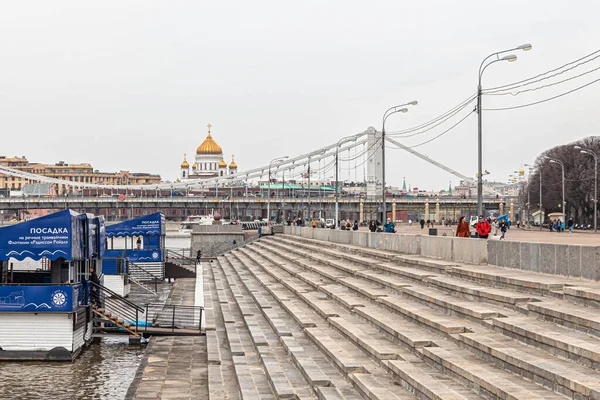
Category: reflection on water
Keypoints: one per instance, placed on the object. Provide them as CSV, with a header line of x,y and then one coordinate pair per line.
x,y
102,371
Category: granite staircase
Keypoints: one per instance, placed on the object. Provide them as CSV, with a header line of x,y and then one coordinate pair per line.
x,y
290,317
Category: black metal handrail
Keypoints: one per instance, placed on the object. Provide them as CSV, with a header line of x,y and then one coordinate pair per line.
x,y
112,294
173,317
103,297
146,276
173,254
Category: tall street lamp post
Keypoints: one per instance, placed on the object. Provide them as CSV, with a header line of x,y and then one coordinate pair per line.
x,y
593,154
542,218
562,166
278,160
388,112
482,67
337,170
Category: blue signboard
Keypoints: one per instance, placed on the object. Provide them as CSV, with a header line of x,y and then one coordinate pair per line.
x,y
148,225
49,298
53,236
109,262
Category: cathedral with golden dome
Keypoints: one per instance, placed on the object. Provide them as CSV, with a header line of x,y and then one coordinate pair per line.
x,y
209,162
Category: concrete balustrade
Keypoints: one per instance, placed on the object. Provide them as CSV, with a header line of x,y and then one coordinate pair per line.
x,y
577,261
445,248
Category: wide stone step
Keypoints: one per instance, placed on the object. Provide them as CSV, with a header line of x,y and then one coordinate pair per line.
x,y
379,388
396,326
485,378
409,273
426,384
385,279
342,353
346,297
335,393
570,315
451,304
563,376
577,346
425,315
364,287
321,304
312,256
329,251
372,342
474,291
518,280
375,254
588,296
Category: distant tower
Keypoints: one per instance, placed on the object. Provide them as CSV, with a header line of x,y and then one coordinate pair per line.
x,y
232,166
222,167
185,168
404,185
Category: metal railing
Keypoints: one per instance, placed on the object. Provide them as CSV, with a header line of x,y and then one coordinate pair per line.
x,y
115,304
140,276
179,258
169,317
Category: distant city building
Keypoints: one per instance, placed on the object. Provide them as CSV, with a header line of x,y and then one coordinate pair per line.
x,y
469,189
83,173
209,162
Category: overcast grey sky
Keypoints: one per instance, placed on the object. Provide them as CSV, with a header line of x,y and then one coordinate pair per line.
x,y
133,84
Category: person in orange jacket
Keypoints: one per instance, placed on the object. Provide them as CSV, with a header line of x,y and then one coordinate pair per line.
x,y
483,228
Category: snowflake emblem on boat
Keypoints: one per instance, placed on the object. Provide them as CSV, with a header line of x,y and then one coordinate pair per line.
x,y
59,298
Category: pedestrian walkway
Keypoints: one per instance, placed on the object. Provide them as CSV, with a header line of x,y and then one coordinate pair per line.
x,y
174,367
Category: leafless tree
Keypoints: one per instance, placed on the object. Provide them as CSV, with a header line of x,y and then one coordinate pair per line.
x,y
579,181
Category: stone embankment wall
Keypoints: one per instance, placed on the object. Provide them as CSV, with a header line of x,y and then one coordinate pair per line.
x,y
215,240
569,260
560,259
446,248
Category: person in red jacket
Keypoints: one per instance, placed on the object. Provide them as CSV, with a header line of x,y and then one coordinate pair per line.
x,y
483,228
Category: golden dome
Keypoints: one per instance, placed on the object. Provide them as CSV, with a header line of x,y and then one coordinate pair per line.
x,y
195,165
222,164
521,171
185,164
232,165
209,146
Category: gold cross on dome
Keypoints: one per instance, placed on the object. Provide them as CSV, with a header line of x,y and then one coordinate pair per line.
x,y
184,156
209,126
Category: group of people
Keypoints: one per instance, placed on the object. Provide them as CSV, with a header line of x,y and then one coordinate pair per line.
x,y
377,226
559,226
483,227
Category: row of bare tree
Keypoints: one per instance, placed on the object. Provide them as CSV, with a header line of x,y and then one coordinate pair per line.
x,y
579,181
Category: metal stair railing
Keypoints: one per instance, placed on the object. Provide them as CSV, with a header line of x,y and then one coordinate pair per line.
x,y
138,275
180,259
170,317
116,308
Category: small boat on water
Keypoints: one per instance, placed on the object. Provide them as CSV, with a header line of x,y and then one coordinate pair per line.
x,y
187,226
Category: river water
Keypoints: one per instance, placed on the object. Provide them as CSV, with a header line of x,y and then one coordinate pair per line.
x,y
102,371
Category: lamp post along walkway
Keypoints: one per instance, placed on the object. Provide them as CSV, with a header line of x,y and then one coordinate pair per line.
x,y
593,154
388,112
482,67
275,160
